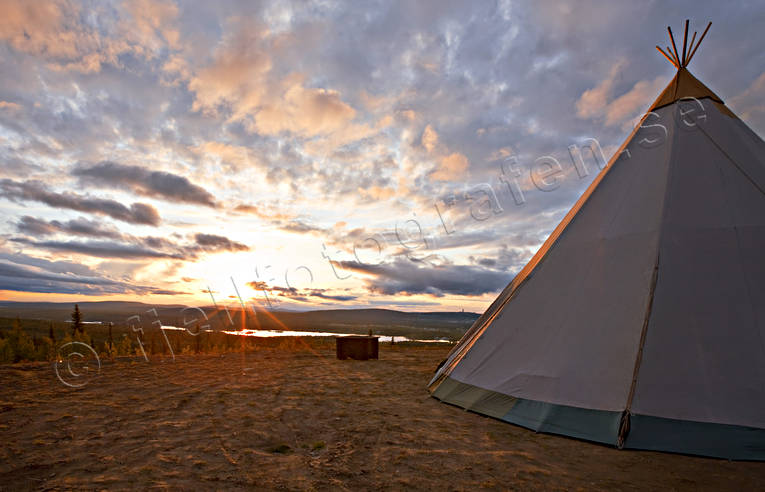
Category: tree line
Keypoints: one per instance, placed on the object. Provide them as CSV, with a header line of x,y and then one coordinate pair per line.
x,y
39,340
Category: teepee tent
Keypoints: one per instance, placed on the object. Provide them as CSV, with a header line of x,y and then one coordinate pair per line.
x,y
640,322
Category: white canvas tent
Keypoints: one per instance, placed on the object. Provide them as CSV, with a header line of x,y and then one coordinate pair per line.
x,y
640,322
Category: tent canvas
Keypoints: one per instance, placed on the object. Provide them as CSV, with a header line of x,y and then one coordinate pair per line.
x,y
640,322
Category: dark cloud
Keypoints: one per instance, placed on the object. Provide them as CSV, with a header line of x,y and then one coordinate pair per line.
x,y
167,292
103,249
301,227
154,184
294,294
246,208
122,245
60,266
35,227
269,212
21,278
141,247
211,242
11,270
137,213
342,298
78,227
260,285
404,276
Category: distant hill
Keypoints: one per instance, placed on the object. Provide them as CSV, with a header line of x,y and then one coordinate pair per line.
x,y
381,321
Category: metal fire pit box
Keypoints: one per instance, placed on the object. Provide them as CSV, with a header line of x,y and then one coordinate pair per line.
x,y
357,347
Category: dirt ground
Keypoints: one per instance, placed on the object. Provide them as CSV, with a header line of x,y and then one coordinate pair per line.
x,y
296,418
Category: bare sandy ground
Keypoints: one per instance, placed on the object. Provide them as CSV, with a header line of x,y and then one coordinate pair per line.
x,y
296,418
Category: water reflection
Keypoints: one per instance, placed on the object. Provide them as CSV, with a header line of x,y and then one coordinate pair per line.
x,y
289,333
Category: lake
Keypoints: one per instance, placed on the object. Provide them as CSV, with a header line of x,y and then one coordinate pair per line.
x,y
289,333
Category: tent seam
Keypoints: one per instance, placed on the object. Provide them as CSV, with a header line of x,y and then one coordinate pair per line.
x,y
624,426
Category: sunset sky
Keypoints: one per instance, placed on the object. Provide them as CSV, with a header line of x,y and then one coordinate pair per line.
x,y
320,154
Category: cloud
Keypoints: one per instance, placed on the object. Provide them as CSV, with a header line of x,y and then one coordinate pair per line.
x,y
638,98
377,193
137,213
232,157
17,167
211,242
59,266
78,227
35,227
593,102
11,270
452,167
103,249
38,27
407,277
429,138
598,103
750,104
235,81
27,278
241,83
121,245
268,212
247,209
155,184
301,227
305,295
321,295
9,106
304,111
152,22
72,38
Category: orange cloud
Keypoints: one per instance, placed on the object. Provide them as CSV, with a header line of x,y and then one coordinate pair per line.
x,y
38,27
452,166
240,84
630,103
377,192
9,106
53,31
593,101
305,112
598,103
429,138
151,23
236,78
233,157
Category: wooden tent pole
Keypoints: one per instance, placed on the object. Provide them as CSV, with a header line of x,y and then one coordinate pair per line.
x,y
667,56
672,38
690,46
699,43
677,63
685,39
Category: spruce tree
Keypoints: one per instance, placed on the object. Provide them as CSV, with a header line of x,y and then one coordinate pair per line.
x,y
76,320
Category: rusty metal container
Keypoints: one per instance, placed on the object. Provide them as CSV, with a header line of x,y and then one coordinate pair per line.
x,y
357,347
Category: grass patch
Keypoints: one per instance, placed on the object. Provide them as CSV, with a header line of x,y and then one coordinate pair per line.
x,y
280,449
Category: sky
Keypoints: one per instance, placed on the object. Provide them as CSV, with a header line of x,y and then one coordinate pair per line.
x,y
316,155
